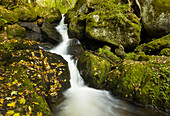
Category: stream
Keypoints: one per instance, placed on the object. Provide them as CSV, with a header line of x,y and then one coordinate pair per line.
x,y
81,100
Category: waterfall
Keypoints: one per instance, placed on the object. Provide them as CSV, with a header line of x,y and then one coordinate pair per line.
x,y
81,100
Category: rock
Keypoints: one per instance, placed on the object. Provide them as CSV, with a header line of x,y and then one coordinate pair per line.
x,y
47,46
104,21
50,34
106,50
94,69
120,51
16,30
146,82
37,77
8,16
33,31
113,28
51,15
165,51
75,48
26,13
155,17
155,46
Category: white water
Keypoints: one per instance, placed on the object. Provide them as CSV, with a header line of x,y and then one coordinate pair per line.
x,y
82,100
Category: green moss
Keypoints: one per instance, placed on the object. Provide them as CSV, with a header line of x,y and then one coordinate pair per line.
x,y
155,46
165,52
145,82
26,13
16,30
107,51
21,92
94,68
8,16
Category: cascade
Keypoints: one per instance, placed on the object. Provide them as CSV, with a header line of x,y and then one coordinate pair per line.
x,y
82,100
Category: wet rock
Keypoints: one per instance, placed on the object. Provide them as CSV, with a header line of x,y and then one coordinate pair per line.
x,y
94,69
155,17
50,34
47,46
32,30
75,48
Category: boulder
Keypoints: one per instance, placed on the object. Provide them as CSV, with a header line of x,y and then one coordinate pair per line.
x,y
155,17
114,28
8,16
26,13
75,48
146,82
50,34
94,69
15,30
104,21
32,79
155,46
33,31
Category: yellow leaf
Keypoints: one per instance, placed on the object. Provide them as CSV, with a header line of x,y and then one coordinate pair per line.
x,y
1,78
39,114
35,103
22,101
2,101
16,114
10,112
12,104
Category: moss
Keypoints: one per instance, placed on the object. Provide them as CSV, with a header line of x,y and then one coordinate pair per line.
x,y
8,16
26,13
113,26
145,82
16,30
21,92
165,52
107,51
155,46
94,69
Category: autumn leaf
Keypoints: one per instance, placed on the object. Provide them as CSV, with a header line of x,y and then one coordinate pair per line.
x,y
35,103
16,114
22,101
12,104
10,112
39,114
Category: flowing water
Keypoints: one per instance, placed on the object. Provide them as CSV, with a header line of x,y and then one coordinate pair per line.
x,y
84,101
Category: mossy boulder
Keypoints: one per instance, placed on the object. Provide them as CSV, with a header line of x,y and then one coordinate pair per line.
x,y
104,21
155,46
31,78
26,13
155,17
16,30
93,68
146,82
113,27
8,16
51,15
